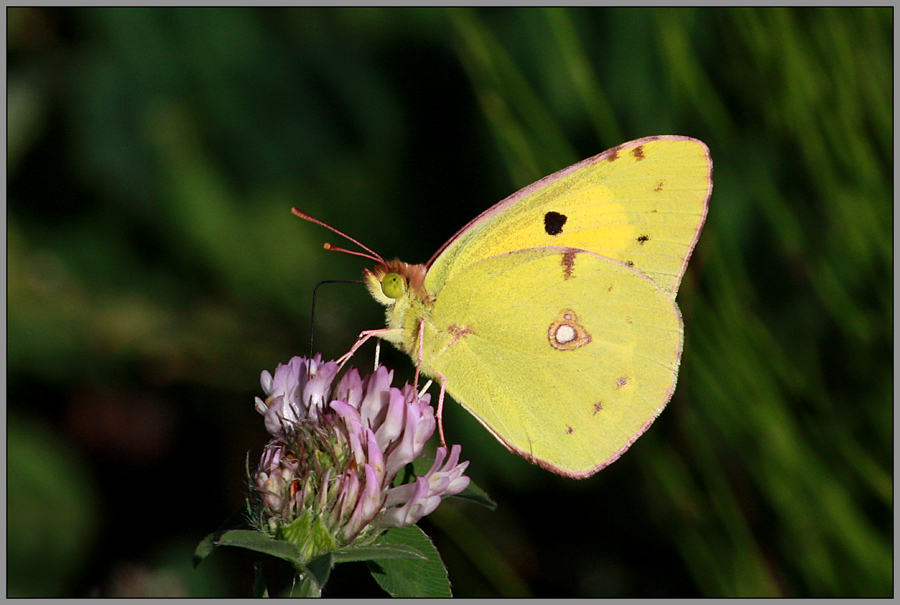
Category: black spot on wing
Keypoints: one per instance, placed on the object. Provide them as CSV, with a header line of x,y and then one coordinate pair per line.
x,y
553,222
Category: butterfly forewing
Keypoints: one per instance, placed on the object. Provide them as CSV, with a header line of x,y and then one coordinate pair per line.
x,y
642,203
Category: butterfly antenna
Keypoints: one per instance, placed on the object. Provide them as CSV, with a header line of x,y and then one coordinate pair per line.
x,y
372,255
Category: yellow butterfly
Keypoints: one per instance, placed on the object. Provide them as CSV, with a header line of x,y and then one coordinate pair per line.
x,y
551,317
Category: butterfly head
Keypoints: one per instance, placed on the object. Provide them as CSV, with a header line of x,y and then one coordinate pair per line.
x,y
391,281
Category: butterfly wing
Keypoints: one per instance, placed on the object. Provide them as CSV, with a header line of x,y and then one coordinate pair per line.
x,y
642,203
564,355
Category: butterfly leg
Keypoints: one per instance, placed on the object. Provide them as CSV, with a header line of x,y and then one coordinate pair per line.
x,y
363,337
421,347
440,410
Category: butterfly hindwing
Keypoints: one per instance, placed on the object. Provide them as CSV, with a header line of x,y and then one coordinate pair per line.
x,y
564,355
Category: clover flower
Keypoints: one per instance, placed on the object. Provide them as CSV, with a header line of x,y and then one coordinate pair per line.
x,y
325,480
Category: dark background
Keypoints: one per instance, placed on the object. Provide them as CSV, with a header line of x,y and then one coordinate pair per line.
x,y
154,270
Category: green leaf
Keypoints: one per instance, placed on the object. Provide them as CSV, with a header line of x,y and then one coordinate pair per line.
x,y
306,588
378,551
259,582
237,520
319,569
254,540
475,494
204,549
411,577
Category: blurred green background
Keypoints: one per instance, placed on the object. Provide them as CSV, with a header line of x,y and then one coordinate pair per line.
x,y
154,270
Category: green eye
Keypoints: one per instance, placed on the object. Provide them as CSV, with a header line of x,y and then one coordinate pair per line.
x,y
392,285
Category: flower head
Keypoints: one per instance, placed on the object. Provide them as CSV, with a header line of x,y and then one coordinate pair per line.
x,y
325,479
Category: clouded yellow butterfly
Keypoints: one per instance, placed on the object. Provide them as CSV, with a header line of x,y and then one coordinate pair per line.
x,y
551,316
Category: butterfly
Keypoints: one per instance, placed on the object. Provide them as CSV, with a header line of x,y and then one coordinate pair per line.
x,y
551,316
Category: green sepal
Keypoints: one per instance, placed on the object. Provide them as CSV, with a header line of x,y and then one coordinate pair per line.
x,y
298,531
310,535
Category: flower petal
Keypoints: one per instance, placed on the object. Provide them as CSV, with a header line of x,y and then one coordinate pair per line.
x,y
411,511
374,406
